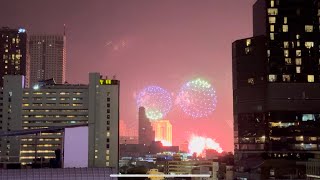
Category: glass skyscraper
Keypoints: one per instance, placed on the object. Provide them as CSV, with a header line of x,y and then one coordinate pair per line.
x,y
276,85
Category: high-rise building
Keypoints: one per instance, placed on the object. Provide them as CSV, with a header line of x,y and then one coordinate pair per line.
x,y
163,132
276,78
49,105
146,133
47,58
14,58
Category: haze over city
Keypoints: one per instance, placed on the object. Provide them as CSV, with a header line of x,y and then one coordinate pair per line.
x,y
143,43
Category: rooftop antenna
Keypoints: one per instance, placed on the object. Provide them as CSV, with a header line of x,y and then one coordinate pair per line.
x,y
64,29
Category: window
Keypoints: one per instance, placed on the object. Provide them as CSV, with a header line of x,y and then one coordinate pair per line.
x,y
286,44
248,42
288,61
298,61
285,28
285,20
272,11
272,78
271,28
298,53
268,52
271,36
298,36
308,28
309,44
310,78
272,3
298,69
251,81
286,53
272,20
247,50
286,78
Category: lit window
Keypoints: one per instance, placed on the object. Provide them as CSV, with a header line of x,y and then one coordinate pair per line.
x,y
298,43
285,20
298,36
272,20
108,134
285,28
272,11
298,69
309,44
298,61
272,3
25,105
286,44
268,52
310,78
271,28
271,36
318,12
298,53
6,67
248,42
299,138
286,78
272,77
308,28
288,61
251,81
286,53
247,50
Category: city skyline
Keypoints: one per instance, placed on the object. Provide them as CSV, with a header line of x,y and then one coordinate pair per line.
x,y
195,42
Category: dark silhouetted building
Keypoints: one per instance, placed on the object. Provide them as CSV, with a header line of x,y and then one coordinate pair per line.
x,y
276,85
146,133
14,58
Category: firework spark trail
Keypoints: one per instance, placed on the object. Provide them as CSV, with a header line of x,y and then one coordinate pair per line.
x,y
198,145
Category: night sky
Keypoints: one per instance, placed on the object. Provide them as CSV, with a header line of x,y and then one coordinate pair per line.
x,y
147,42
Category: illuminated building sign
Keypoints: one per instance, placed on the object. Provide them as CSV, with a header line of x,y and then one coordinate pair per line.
x,y
109,82
21,30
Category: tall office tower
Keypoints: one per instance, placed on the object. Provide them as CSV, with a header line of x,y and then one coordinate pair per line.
x,y
163,132
14,58
276,84
50,105
146,133
103,121
47,58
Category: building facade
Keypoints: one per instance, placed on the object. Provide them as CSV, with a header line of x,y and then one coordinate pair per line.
x,y
163,131
14,57
47,58
146,133
59,105
276,78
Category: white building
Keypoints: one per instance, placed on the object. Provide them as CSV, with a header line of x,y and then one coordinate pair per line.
x,y
47,58
55,105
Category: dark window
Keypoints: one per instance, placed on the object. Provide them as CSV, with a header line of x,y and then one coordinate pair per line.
x,y
108,99
108,105
108,140
108,116
108,110
108,146
108,122
108,128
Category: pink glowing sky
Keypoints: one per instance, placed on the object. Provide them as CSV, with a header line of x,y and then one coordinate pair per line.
x,y
147,42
